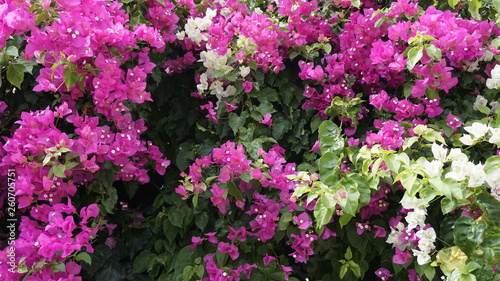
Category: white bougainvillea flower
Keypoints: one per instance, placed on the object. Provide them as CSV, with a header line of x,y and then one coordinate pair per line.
x,y
409,203
422,256
477,129
456,154
495,136
476,175
439,152
417,217
467,140
433,168
494,81
459,170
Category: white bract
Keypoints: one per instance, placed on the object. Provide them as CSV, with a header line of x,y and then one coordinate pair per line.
x,y
416,218
433,168
494,81
477,129
495,136
439,152
195,26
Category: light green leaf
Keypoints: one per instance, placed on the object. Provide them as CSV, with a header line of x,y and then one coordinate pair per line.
x,y
12,51
414,56
354,268
187,273
474,6
348,254
496,4
453,3
70,77
492,165
322,214
343,271
84,256
58,171
433,52
60,267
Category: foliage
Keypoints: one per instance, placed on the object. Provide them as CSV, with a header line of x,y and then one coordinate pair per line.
x,y
249,140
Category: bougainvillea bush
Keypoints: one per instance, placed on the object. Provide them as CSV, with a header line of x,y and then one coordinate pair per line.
x,y
249,140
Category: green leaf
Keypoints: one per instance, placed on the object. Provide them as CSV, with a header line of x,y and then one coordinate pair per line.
x,y
348,254
322,214
111,199
393,163
70,77
234,191
59,171
327,48
351,205
409,142
363,187
491,247
474,6
496,4
84,256
60,267
266,107
142,261
414,56
344,219
343,271
12,51
439,186
131,188
453,3
329,164
483,109
15,74
201,220
447,205
492,165
407,178
235,122
187,273
199,270
111,271
354,268
329,129
468,234
433,52
280,126
490,207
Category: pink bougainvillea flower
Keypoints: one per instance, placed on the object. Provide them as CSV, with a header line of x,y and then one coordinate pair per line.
x,y
453,122
383,273
302,221
228,249
401,257
211,112
267,120
267,259
247,86
230,107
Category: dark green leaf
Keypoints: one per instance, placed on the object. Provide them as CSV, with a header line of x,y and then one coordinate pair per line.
x,y
468,234
111,271
142,261
15,74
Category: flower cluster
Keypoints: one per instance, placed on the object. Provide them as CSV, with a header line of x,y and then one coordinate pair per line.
x,y
272,172
417,236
